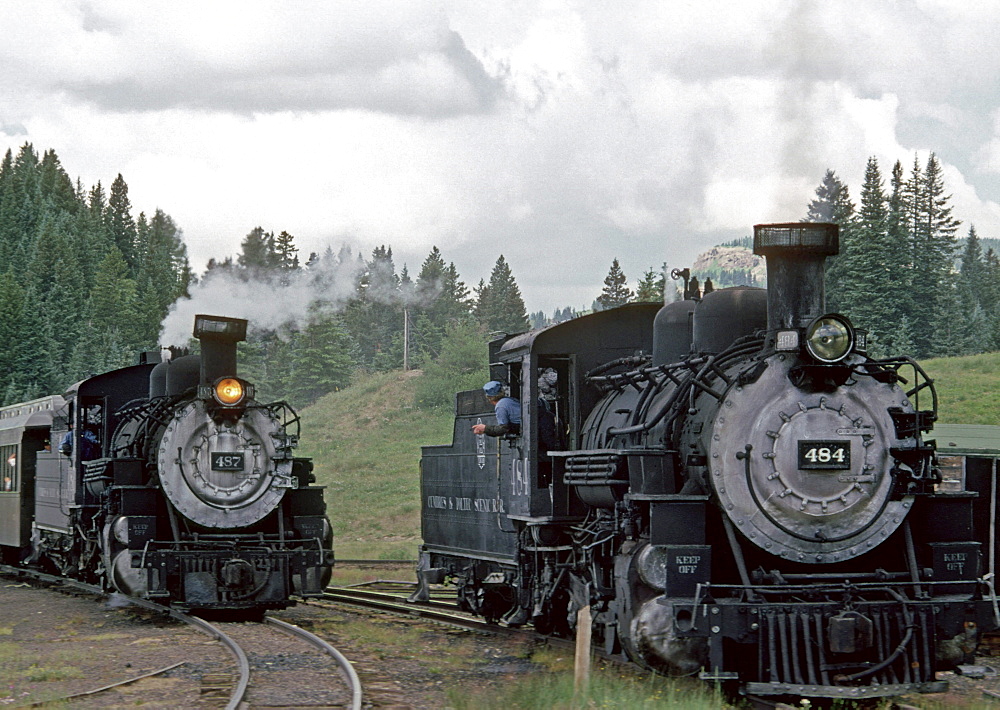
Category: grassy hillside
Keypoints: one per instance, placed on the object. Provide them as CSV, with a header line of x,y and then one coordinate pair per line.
x,y
365,441
968,388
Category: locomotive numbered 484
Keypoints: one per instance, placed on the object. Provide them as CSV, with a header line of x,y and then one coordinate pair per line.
x,y
741,492
172,483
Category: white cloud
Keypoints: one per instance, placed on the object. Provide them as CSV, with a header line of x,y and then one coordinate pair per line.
x,y
560,134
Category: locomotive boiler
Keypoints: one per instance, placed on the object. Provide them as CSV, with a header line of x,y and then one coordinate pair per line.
x,y
171,482
741,492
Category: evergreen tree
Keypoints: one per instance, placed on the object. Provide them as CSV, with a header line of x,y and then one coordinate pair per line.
x,y
616,291
20,208
650,288
55,185
499,306
374,317
933,238
285,252
323,359
163,273
430,277
12,330
867,288
897,251
120,222
440,298
833,205
114,302
461,366
257,253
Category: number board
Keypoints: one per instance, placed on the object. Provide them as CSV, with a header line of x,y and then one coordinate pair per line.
x,y
226,461
824,455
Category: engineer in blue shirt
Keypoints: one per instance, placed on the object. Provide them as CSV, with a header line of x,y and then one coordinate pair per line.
x,y
508,411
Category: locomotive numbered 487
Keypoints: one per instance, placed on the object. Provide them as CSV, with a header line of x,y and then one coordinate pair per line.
x,y
174,483
741,492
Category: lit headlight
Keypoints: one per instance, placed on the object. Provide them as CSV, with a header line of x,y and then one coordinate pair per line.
x,y
829,338
229,391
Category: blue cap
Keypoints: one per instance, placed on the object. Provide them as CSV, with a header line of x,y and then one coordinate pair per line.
x,y
493,388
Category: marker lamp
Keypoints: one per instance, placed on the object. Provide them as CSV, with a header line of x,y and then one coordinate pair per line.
x,y
829,338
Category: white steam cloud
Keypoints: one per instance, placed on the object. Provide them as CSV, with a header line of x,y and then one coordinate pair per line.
x,y
272,302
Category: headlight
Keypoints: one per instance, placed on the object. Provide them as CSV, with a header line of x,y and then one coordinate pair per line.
x,y
829,338
229,391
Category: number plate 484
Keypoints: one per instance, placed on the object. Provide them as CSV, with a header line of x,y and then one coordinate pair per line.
x,y
826,455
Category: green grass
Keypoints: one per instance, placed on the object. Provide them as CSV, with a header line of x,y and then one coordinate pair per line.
x,y
365,441
555,691
968,388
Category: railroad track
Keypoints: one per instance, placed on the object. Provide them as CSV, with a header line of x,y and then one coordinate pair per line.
x,y
229,690
434,610
272,673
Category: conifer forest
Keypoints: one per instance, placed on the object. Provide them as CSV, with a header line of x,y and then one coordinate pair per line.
x,y
86,282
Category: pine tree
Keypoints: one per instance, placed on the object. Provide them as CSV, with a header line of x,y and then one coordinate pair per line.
x,y
867,288
55,185
650,288
374,317
499,306
833,205
120,222
257,254
285,252
20,209
616,291
114,302
162,273
440,299
933,239
461,366
323,357
12,330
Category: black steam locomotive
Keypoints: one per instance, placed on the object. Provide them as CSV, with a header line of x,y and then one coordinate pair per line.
x,y
167,480
741,492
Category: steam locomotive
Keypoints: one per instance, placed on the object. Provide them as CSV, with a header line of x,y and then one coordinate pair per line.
x,y
167,480
741,492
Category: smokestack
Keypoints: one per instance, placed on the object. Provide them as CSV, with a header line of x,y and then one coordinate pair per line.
x,y
795,253
218,336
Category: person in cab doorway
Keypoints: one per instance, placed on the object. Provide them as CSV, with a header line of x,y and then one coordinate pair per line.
x,y
508,412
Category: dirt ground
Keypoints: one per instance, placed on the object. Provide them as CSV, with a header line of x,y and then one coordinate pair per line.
x,y
54,644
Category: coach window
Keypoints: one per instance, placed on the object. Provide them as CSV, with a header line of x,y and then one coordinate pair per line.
x,y
8,467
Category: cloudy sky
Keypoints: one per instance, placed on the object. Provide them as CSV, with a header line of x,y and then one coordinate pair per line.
x,y
559,134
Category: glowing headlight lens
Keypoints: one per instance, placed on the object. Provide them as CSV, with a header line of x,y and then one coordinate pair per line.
x,y
829,338
229,391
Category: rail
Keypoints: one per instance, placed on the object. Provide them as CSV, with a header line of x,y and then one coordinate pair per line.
x,y
346,666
